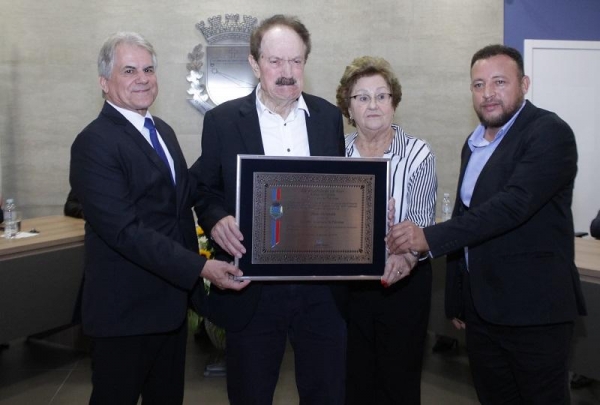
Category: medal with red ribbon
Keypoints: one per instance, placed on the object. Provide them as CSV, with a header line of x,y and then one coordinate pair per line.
x,y
276,212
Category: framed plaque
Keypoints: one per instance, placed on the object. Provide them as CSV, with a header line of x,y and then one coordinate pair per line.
x,y
312,218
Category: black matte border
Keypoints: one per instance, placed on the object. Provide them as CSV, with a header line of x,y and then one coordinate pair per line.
x,y
249,164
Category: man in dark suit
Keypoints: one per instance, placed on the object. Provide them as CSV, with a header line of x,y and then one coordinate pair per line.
x,y
511,276
129,173
277,119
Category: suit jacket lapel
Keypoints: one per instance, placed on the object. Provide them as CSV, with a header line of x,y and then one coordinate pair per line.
x,y
132,133
505,148
465,155
172,145
315,137
249,126
179,164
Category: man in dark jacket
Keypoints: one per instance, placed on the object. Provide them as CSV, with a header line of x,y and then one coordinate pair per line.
x,y
511,274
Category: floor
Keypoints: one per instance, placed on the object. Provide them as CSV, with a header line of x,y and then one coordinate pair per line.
x,y
42,372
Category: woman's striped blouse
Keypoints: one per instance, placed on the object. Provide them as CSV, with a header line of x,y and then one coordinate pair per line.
x,y
413,179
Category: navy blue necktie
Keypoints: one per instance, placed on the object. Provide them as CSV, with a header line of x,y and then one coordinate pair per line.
x,y
155,143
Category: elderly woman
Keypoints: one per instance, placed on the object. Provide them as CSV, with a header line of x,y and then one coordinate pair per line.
x,y
387,320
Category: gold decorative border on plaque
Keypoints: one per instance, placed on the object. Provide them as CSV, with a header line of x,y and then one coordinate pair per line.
x,y
348,222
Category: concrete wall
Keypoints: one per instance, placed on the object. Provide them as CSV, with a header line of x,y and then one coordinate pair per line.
x,y
49,87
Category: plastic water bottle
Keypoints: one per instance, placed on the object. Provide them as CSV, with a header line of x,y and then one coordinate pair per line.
x,y
10,219
446,207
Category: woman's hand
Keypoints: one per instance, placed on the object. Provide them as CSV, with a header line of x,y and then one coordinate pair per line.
x,y
391,212
398,267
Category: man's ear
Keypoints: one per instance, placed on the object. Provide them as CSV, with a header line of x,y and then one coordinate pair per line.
x,y
525,82
103,84
254,64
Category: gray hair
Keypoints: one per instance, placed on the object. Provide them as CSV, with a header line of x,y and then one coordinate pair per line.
x,y
106,58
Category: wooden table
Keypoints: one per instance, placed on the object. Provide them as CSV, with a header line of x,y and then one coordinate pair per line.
x,y
585,352
587,259
40,277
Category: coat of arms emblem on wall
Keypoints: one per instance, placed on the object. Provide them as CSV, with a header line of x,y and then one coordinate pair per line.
x,y
227,74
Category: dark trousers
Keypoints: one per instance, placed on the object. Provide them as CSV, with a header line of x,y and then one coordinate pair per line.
x,y
308,315
123,368
517,364
386,338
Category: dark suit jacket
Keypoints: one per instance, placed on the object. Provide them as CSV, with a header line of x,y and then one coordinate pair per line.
x,y
519,228
231,129
595,227
72,206
141,250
